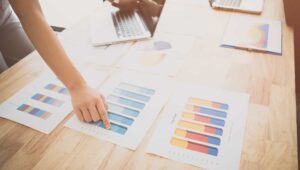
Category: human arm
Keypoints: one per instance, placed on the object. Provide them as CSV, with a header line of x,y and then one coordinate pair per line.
x,y
87,102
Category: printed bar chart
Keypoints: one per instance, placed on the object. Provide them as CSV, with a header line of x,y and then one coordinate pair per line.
x,y
200,126
56,88
194,146
204,119
205,110
48,100
123,110
125,104
203,127
34,111
208,103
197,136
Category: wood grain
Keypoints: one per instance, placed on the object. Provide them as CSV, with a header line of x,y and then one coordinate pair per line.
x,y
270,140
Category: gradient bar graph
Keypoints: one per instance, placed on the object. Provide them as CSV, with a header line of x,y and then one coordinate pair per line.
x,y
125,104
194,146
197,136
137,89
207,103
125,101
205,110
114,127
48,100
34,111
131,95
120,119
56,88
204,119
124,110
200,127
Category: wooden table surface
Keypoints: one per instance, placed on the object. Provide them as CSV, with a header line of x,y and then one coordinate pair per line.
x,y
270,140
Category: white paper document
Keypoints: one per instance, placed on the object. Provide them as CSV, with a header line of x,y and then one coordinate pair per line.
x,y
254,34
163,54
77,43
203,127
45,102
134,101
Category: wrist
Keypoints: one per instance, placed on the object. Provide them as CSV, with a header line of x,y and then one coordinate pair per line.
x,y
75,86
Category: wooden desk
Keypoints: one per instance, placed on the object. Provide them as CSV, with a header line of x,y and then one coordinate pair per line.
x,y
270,140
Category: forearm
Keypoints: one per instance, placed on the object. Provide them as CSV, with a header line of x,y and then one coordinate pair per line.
x,y
45,42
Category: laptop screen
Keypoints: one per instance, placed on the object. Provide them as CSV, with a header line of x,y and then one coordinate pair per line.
x,y
151,11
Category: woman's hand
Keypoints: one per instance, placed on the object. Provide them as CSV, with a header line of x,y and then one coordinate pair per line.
x,y
89,105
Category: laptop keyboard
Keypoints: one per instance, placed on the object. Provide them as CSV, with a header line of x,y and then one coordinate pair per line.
x,y
126,25
231,3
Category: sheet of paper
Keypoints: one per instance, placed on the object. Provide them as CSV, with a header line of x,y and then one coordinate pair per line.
x,y
77,43
254,33
203,127
134,101
44,102
161,55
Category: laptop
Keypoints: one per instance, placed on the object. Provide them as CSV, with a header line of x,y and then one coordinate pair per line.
x,y
111,26
250,6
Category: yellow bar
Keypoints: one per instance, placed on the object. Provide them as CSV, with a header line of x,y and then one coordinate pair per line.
x,y
56,89
179,143
180,132
189,107
188,115
43,98
189,125
29,109
200,102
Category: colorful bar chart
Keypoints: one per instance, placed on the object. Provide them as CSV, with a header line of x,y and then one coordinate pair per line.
x,y
131,95
205,110
125,104
194,146
34,111
48,100
137,89
197,136
200,126
114,127
208,103
125,101
204,119
56,88
123,110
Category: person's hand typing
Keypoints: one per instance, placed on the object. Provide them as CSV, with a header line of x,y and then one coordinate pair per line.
x,y
89,105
